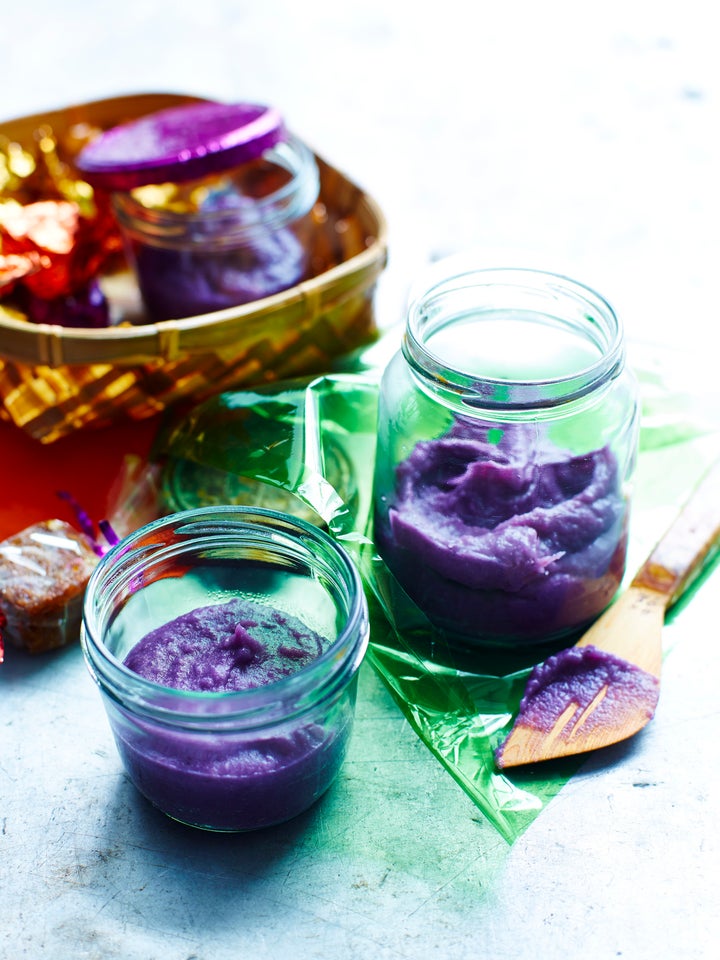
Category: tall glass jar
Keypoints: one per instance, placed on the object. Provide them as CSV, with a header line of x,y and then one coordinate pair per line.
x,y
226,643
507,441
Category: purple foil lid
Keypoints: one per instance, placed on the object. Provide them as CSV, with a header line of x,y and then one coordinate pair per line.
x,y
180,143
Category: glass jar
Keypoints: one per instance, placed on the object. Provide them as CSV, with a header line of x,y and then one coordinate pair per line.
x,y
213,201
224,241
240,758
507,440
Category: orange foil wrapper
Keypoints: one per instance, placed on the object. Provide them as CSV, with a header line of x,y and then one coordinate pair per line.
x,y
53,234
14,266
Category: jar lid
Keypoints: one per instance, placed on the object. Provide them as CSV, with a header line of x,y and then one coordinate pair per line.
x,y
180,143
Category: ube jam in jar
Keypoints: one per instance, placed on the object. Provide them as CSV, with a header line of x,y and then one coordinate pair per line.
x,y
507,440
213,202
226,642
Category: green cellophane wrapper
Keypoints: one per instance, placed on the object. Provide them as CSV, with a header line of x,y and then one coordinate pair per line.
x,y
308,448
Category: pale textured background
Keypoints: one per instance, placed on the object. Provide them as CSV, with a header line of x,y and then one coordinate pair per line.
x,y
580,137
586,136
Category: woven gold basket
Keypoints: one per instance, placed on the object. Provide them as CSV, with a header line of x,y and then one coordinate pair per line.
x,y
55,380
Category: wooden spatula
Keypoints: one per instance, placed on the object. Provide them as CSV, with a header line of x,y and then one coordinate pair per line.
x,y
606,687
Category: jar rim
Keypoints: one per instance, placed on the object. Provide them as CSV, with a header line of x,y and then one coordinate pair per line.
x,y
502,392
281,699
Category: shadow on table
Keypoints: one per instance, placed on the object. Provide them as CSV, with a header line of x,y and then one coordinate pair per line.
x,y
19,665
249,855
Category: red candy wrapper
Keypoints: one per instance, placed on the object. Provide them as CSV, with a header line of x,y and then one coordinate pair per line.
x,y
53,233
14,266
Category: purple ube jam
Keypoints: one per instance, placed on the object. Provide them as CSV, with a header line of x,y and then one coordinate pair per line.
x,y
232,779
225,647
506,540
579,676
190,282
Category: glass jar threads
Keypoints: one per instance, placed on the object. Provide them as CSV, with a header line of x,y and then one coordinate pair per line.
x,y
226,642
213,203
507,440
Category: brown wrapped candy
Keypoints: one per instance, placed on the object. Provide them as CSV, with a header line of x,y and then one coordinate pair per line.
x,y
44,570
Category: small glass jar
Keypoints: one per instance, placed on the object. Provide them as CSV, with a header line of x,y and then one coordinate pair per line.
x,y
222,241
507,440
248,758
213,201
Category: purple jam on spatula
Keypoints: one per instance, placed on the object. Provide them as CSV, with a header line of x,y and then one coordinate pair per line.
x,y
579,690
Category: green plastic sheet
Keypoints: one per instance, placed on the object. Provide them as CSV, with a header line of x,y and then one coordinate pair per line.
x,y
316,440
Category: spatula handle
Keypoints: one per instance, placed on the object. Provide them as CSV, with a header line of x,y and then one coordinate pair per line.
x,y
682,550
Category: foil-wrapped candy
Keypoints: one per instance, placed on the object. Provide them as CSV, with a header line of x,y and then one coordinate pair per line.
x,y
55,237
53,232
